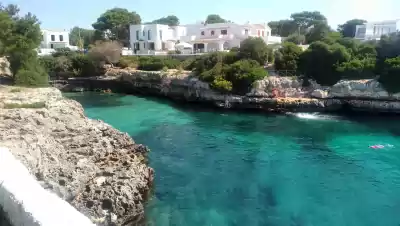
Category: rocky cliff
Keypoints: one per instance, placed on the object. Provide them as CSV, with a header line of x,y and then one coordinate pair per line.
x,y
365,95
96,168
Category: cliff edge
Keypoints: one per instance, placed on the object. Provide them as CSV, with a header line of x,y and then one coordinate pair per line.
x,y
96,168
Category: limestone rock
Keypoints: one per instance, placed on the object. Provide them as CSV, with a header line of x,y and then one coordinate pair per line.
x,y
93,166
318,93
287,87
367,88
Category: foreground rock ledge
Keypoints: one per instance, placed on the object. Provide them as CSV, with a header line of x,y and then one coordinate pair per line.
x,y
88,163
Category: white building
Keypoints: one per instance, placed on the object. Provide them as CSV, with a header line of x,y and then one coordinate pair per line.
x,y
152,38
54,40
374,30
224,36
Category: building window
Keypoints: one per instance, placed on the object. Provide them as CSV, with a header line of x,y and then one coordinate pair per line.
x,y
263,33
246,32
51,46
202,33
61,38
212,32
151,46
144,45
53,38
144,33
258,32
160,34
137,35
149,35
361,32
224,32
267,33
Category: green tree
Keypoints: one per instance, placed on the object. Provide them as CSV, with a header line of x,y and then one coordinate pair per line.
x,y
283,28
296,38
170,20
319,32
350,44
255,49
81,37
287,57
348,29
115,24
319,62
306,19
19,37
387,47
214,18
243,73
390,75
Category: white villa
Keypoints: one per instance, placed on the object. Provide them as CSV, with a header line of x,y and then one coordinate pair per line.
x,y
150,38
200,37
374,30
53,40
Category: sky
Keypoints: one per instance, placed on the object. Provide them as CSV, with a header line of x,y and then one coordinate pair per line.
x,y
65,14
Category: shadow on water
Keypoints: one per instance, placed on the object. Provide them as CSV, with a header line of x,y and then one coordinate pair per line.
x,y
95,100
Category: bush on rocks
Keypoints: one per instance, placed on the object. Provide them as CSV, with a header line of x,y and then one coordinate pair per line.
x,y
31,74
390,78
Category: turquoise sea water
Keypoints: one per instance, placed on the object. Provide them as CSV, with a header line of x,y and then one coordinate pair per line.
x,y
218,168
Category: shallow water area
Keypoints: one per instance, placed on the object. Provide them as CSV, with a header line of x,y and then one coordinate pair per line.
x,y
227,168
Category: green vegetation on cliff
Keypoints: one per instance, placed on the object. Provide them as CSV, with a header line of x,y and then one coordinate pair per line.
x,y
19,37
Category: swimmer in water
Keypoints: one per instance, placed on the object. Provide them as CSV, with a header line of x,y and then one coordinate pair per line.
x,y
377,146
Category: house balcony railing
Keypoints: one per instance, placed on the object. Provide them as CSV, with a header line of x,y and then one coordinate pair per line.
x,y
192,38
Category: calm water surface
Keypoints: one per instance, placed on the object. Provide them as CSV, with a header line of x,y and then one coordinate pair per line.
x,y
216,169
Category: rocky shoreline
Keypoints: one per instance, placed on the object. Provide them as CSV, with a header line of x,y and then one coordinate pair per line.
x,y
102,172
357,95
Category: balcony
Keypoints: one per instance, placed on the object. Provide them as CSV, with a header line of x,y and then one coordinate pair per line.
x,y
194,38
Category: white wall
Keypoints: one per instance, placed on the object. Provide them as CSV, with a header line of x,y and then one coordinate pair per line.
x,y
374,30
27,204
159,34
47,41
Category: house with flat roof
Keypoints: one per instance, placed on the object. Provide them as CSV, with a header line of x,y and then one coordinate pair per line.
x,y
150,38
374,30
54,39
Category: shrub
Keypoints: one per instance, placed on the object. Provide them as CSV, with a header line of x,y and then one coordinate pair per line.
x,y
189,63
210,75
243,74
29,78
357,69
31,74
128,61
106,51
221,85
83,65
255,49
67,52
390,78
48,62
171,63
320,60
151,66
287,57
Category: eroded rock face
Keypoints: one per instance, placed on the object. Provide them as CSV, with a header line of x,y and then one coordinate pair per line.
x,y
368,88
93,166
287,87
